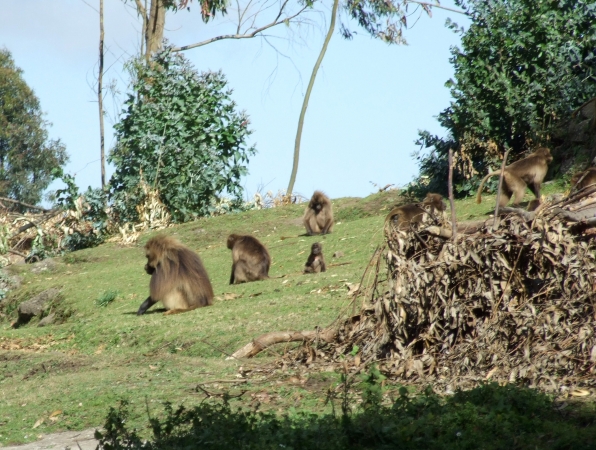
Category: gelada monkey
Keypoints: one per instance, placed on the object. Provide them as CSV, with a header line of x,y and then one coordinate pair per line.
x,y
315,262
584,179
318,217
414,213
529,171
434,203
178,278
250,259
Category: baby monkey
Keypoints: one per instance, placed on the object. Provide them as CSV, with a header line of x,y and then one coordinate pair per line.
x,y
315,262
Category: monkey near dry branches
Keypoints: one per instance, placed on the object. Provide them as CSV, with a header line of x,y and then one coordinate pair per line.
x,y
529,171
403,217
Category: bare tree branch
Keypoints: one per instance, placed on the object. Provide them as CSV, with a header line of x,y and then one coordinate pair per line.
x,y
277,21
268,339
26,205
141,9
435,5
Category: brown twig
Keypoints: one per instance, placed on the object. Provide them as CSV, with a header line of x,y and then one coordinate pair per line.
x,y
217,394
451,199
339,264
14,252
241,380
499,189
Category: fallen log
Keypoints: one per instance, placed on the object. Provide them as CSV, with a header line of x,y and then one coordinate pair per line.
x,y
277,337
469,227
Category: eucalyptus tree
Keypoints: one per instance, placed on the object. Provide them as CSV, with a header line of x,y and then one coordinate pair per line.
x,y
27,155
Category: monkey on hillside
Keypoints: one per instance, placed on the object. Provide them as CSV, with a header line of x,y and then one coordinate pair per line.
x,y
250,259
529,171
178,278
414,213
584,179
318,217
406,215
315,262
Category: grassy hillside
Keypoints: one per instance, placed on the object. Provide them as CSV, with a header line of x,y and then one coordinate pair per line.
x,y
68,375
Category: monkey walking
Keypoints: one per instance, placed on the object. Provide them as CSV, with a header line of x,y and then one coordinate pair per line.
x,y
529,171
250,259
318,217
403,217
315,262
178,278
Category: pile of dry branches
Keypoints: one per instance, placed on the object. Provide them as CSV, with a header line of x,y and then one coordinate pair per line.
x,y
514,303
49,227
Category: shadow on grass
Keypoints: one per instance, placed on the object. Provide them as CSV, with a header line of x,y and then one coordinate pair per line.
x,y
488,417
150,311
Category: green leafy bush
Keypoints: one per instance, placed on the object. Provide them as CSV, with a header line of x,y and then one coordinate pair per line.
x,y
182,134
489,417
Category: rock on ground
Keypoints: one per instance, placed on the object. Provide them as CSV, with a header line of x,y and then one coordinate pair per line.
x,y
35,306
73,440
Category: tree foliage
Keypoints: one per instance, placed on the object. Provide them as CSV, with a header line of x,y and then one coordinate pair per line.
x,y
386,19
523,67
27,156
181,133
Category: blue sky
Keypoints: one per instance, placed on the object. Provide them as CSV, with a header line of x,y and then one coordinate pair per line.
x,y
368,102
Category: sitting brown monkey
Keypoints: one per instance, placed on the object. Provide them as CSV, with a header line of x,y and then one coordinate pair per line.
x,y
529,171
315,262
318,217
250,259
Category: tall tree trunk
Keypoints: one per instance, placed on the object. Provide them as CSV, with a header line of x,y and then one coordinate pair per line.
x,y
100,97
307,97
154,27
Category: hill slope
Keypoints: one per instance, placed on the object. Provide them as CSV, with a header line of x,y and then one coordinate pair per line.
x,y
70,374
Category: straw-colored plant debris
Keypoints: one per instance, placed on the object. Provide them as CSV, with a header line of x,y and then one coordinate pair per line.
x,y
153,214
20,232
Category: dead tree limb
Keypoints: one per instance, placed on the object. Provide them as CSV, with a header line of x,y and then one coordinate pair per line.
x,y
26,205
528,216
277,337
468,227
451,199
14,252
51,213
584,192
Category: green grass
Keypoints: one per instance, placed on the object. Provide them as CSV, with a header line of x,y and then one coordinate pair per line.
x,y
100,355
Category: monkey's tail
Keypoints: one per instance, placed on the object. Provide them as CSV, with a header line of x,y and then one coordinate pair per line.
x,y
479,193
